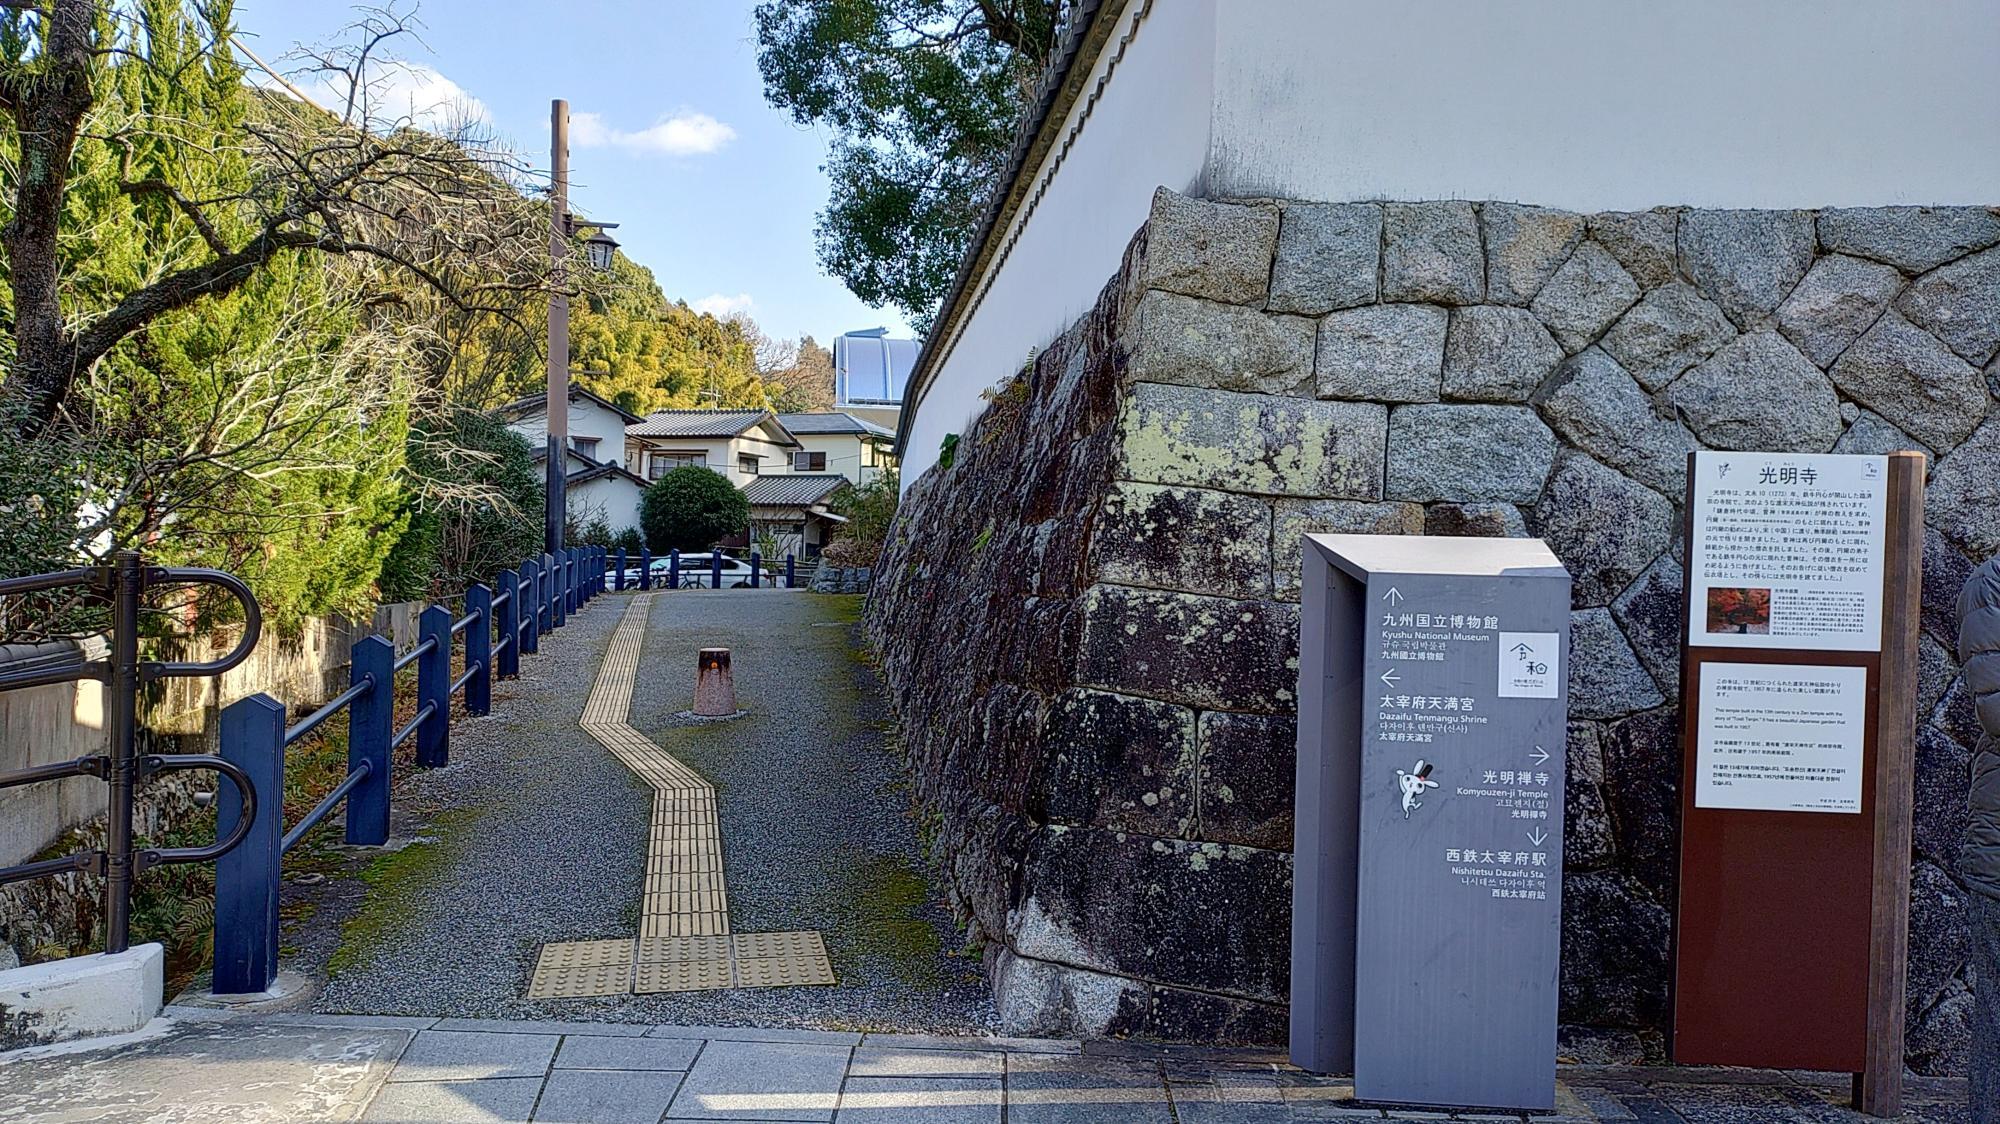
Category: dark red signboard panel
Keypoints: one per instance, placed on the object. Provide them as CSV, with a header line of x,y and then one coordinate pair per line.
x,y
1791,928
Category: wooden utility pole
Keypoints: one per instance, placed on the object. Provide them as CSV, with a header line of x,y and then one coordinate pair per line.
x,y
558,419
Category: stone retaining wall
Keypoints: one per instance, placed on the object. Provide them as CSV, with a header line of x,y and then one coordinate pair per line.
x,y
842,579
1089,622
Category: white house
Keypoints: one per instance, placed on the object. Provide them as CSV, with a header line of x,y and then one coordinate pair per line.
x,y
740,444
596,426
842,444
792,513
597,485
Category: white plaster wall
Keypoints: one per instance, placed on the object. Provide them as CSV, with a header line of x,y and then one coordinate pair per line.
x,y
1149,128
845,454
614,497
586,419
1584,104
1592,106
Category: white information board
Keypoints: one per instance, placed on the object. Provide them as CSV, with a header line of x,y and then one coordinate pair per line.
x,y
1781,737
1787,551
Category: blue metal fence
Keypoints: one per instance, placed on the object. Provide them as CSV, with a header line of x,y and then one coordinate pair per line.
x,y
496,627
643,576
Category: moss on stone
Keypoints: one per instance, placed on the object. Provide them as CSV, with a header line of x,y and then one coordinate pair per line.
x,y
396,880
877,912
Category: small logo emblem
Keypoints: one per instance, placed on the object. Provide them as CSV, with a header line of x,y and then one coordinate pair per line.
x,y
1412,785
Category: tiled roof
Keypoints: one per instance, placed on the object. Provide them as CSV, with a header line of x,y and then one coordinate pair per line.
x,y
792,489
696,423
822,424
535,404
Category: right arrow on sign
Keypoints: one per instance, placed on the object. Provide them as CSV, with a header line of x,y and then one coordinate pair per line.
x,y
1540,755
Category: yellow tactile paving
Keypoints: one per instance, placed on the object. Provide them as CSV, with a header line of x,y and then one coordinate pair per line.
x,y
684,941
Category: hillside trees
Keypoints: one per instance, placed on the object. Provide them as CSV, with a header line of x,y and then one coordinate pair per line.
x,y
630,345
215,298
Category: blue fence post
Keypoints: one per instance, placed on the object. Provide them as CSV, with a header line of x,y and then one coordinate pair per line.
x,y
714,569
674,569
434,687
530,598
371,722
507,621
645,567
756,570
597,579
556,613
246,879
575,579
479,650
791,572
621,570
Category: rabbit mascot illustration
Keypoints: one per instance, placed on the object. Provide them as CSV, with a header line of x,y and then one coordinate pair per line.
x,y
1412,785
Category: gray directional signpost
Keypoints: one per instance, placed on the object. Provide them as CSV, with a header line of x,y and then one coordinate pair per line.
x,y
1427,898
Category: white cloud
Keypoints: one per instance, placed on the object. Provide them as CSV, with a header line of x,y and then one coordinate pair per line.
x,y
397,94
686,133
426,98
722,306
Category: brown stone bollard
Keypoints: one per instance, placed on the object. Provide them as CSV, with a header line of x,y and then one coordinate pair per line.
x,y
714,684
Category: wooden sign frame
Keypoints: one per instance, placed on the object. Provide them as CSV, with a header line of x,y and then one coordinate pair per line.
x,y
1792,929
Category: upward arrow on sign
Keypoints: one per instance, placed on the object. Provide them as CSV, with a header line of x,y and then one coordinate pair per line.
x,y
1394,596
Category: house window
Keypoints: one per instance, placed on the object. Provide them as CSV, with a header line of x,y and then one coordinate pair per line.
x,y
659,464
585,445
808,462
746,463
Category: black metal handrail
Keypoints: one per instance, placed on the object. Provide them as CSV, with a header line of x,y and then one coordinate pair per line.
x,y
155,763
124,581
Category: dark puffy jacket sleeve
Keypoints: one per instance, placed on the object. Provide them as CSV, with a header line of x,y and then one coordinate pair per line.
x,y
1979,651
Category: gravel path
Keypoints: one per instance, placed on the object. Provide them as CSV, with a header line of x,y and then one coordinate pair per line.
x,y
535,833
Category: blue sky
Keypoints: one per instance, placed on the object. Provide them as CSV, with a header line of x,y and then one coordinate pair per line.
x,y
713,189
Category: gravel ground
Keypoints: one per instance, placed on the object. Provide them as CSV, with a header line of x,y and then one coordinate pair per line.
x,y
535,833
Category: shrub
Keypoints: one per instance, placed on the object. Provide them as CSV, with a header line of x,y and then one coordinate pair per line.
x,y
870,511
690,509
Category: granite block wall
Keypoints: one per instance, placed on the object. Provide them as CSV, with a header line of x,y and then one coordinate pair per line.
x,y
1088,619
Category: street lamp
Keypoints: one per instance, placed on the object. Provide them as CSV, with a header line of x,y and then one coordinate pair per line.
x,y
598,248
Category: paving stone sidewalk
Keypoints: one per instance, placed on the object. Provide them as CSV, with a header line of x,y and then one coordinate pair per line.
x,y
209,1066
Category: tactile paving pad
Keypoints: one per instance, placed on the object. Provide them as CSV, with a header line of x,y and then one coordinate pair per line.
x,y
574,969
684,941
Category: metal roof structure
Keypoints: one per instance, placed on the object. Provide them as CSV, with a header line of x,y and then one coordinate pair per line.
x,y
792,489
870,369
700,423
835,423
